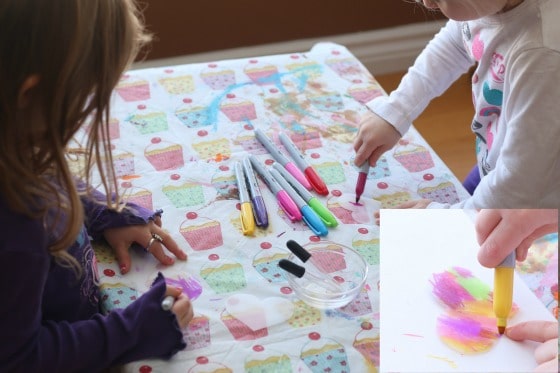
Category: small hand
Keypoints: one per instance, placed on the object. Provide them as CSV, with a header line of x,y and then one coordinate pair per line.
x,y
546,354
415,204
120,239
182,307
374,138
499,231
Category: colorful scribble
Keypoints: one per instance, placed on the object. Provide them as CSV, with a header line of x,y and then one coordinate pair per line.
x,y
451,363
190,286
469,324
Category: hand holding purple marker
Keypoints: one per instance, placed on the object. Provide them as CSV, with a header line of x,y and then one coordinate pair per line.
x,y
167,302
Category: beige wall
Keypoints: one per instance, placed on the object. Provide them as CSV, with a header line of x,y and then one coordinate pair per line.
x,y
184,27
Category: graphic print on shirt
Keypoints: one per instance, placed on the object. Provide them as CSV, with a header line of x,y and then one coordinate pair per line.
x,y
89,264
487,97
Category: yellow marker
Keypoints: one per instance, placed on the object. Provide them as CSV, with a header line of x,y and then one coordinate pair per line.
x,y
247,218
503,291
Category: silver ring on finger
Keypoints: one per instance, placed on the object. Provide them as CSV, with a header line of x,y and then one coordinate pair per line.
x,y
155,237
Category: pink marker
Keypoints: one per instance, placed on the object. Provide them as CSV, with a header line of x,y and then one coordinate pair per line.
x,y
362,177
282,159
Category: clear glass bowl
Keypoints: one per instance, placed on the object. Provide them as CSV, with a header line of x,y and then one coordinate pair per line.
x,y
334,276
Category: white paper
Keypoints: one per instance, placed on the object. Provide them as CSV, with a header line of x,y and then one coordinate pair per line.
x,y
415,244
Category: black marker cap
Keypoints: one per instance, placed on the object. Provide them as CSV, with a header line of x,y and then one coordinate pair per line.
x,y
298,251
291,267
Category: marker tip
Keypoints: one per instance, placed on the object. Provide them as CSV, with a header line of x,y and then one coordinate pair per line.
x,y
501,329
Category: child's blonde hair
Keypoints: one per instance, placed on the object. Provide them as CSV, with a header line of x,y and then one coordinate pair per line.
x,y
76,50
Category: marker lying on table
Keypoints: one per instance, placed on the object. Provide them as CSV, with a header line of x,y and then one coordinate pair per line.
x,y
308,215
314,179
503,291
284,200
259,208
299,271
167,302
281,158
362,177
246,214
324,213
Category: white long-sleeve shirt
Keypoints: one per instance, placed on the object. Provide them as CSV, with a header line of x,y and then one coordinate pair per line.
x,y
516,95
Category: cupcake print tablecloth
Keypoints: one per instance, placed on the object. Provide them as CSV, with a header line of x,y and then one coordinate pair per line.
x,y
177,131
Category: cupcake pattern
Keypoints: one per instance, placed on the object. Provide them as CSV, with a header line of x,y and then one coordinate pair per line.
x,y
133,88
148,120
164,155
324,355
176,133
177,84
218,77
201,233
193,114
413,157
116,296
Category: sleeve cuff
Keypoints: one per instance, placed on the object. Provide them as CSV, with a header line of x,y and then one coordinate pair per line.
x,y
131,214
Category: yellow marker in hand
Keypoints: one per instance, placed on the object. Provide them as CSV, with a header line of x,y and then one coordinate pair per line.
x,y
503,291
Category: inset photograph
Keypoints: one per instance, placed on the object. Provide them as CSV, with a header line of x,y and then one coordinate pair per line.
x,y
443,311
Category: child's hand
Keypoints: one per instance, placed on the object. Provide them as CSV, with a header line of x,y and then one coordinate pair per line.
x,y
546,332
415,204
182,307
499,231
120,239
374,138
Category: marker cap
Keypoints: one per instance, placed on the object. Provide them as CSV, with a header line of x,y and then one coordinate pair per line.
x,y
291,267
298,250
261,215
316,181
313,220
247,219
324,213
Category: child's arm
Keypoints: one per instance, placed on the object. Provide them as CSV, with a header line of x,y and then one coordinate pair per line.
x,y
99,217
133,225
442,61
39,338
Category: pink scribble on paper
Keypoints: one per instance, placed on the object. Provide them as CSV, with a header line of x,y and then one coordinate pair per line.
x,y
468,324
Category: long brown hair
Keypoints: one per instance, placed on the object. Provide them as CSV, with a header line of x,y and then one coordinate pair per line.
x,y
77,50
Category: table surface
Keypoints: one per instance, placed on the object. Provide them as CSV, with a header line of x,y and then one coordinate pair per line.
x,y
176,133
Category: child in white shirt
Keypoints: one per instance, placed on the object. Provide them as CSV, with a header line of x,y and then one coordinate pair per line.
x,y
515,90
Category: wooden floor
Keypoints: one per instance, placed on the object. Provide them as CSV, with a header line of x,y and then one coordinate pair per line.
x,y
445,124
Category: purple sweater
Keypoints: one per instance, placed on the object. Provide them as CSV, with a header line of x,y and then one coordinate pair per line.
x,y
50,320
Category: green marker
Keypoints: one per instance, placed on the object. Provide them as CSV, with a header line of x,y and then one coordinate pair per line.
x,y
324,213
